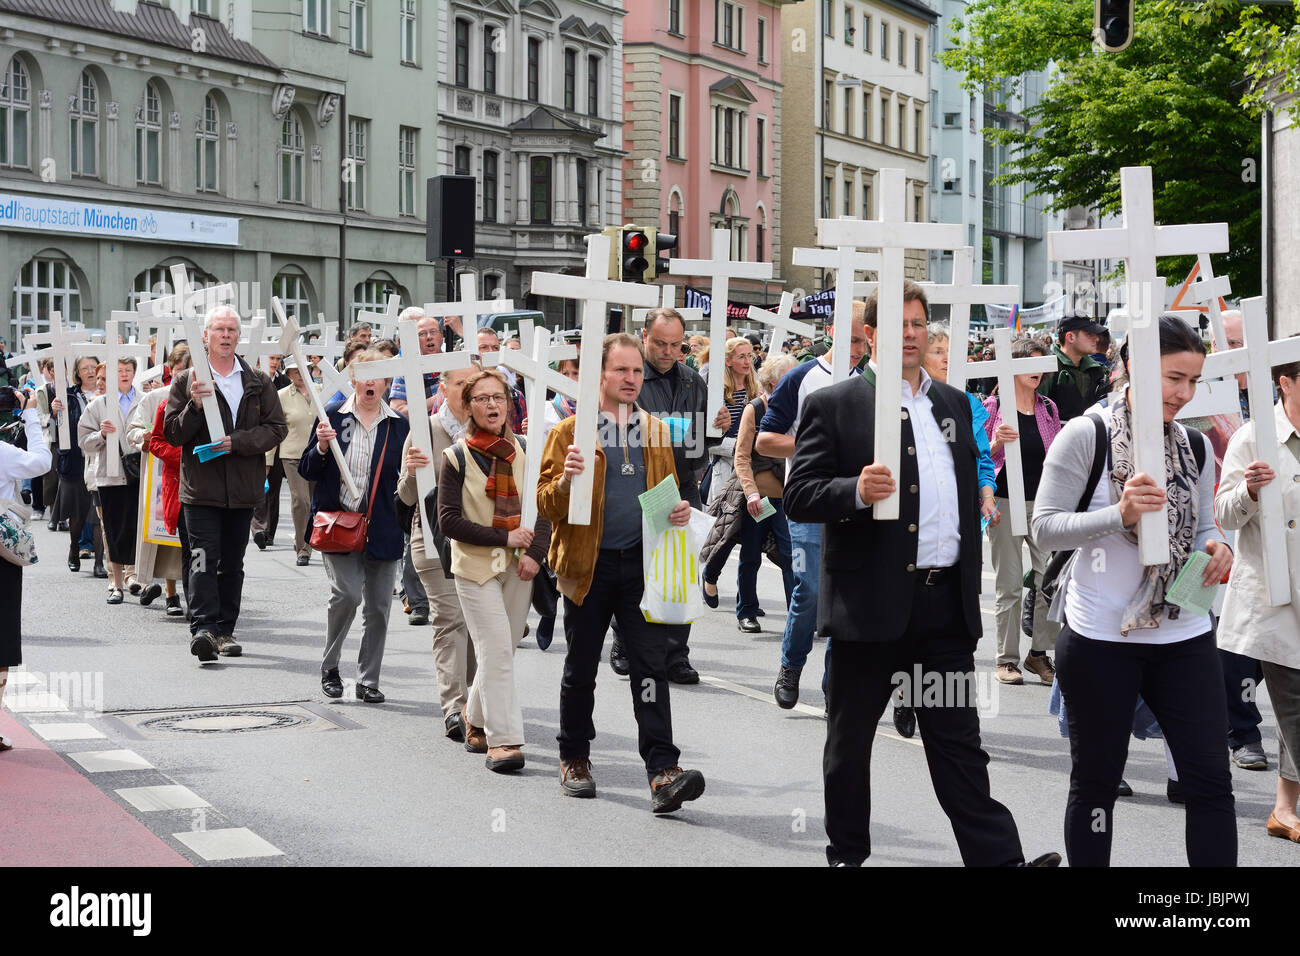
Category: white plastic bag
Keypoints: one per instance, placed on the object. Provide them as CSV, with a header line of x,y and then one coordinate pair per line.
x,y
671,567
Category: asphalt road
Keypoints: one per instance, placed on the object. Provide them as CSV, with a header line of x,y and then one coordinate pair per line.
x,y
355,784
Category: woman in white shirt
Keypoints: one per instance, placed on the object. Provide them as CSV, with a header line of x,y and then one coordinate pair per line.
x,y
1249,624
15,466
1121,637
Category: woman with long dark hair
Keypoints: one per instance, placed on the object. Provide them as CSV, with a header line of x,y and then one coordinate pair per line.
x,y
1120,634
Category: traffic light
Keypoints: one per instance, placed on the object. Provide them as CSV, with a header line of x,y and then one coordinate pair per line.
x,y
663,244
1113,25
635,244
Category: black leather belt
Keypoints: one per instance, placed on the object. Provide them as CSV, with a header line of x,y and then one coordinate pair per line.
x,y
930,577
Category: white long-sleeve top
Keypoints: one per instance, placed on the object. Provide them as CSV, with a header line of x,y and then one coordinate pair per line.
x,y
17,464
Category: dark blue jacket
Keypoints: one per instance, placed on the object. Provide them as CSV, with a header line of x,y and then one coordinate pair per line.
x,y
384,542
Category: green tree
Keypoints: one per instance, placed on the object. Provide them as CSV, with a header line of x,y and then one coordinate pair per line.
x,y
1171,101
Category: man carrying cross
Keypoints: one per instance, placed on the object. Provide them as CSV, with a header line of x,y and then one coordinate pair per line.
x,y
900,597
429,329
218,495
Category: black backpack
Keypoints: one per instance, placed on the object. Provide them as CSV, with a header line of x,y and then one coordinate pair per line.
x,y
1059,559
440,539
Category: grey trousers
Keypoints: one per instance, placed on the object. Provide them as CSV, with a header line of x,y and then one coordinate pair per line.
x,y
300,492
1284,691
416,597
356,581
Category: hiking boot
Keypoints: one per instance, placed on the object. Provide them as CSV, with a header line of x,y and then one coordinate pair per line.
x,y
1010,674
475,738
786,690
575,777
227,646
1041,665
505,759
672,787
204,646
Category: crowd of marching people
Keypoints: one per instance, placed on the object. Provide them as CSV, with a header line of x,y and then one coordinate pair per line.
x,y
789,477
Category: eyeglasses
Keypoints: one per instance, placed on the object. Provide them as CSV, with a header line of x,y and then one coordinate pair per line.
x,y
488,399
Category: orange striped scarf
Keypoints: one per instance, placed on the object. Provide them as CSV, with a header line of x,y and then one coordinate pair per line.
x,y
501,488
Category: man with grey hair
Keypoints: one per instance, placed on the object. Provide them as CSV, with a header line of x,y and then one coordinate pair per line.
x,y
429,330
218,495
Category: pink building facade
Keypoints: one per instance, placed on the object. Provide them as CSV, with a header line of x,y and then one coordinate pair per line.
x,y
702,128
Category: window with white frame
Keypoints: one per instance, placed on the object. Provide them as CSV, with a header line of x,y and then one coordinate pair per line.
x,y
44,286
407,34
675,16
205,7
828,183
902,126
828,17
727,24
207,177
316,17
675,125
848,196
866,200
490,164
918,124
580,166
358,133
539,191
490,32
866,114
359,26
462,52
462,157
866,33
372,295
148,139
291,289
15,116
83,123
918,58
729,136
570,79
292,156
760,141
406,156
902,48
848,111
762,40
534,68
848,25
884,39
593,86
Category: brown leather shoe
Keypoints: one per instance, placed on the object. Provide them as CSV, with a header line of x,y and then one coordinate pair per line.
x,y
1010,674
505,759
475,738
1282,830
575,777
1041,665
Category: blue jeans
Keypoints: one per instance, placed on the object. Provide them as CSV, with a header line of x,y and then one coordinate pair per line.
x,y
752,534
801,621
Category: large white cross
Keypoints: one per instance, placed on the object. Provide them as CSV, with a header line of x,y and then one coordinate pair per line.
x,y
782,325
257,347
892,234
163,328
330,350
190,306
670,302
1209,289
595,290
721,269
846,261
386,321
1140,242
468,309
411,365
1256,358
112,352
1006,369
533,364
60,345
291,345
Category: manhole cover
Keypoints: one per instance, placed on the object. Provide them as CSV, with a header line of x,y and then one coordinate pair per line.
x,y
215,721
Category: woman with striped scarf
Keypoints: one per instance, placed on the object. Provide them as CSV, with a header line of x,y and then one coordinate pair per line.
x,y
494,560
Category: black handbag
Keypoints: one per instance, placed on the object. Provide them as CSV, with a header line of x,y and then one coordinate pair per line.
x,y
131,466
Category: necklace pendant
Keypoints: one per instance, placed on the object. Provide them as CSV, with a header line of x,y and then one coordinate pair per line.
x,y
628,469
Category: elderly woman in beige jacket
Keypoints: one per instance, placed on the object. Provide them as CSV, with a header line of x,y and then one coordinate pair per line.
x,y
1249,625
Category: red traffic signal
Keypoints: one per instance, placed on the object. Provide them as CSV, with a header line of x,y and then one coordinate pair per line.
x,y
635,244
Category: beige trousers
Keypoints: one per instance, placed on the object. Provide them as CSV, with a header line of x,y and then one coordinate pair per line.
x,y
453,654
495,612
1008,566
300,491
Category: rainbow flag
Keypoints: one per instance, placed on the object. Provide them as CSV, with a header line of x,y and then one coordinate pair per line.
x,y
1014,319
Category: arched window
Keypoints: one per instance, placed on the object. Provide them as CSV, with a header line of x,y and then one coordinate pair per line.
x,y
157,282
291,289
15,116
83,120
148,138
372,294
291,152
45,286
207,178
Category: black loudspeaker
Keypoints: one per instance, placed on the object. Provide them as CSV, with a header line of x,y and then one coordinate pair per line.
x,y
449,233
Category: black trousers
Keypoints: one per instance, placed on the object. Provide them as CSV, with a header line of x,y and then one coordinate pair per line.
x,y
182,532
861,679
1242,676
1182,683
266,516
218,537
615,594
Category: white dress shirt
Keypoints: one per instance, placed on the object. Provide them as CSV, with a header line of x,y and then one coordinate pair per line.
x,y
232,386
361,449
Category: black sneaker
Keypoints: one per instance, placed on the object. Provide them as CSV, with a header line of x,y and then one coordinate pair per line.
x,y
150,594
174,608
672,787
786,690
259,539
682,672
618,658
303,560
904,720
418,618
455,726
204,646
1174,791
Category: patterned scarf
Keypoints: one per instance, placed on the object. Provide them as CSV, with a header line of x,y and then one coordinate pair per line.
x,y
1181,477
455,430
501,478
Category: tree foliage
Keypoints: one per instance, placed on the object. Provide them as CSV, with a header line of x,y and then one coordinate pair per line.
x,y
1171,101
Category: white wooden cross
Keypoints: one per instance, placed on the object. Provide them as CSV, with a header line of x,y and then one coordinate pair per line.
x,y
846,261
257,347
1208,289
186,298
112,352
330,350
468,309
722,269
670,302
1140,242
595,290
411,365
892,234
1256,358
291,345
533,363
61,345
201,368
386,321
163,328
782,325
1006,369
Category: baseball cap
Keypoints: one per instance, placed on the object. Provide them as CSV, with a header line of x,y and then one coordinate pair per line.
x,y
1081,323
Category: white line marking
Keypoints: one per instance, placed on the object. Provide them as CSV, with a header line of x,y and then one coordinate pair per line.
x,y
67,732
168,797
233,843
109,761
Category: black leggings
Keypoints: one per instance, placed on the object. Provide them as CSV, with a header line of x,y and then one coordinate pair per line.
x,y
1182,683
